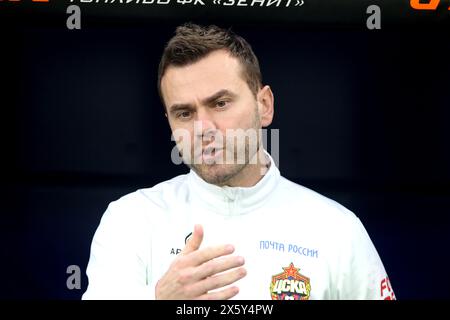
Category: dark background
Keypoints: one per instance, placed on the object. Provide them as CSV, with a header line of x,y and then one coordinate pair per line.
x,y
363,119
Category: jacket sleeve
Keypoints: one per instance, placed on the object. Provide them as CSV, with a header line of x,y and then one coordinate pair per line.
x,y
117,267
362,275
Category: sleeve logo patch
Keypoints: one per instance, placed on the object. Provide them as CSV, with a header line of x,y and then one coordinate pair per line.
x,y
386,291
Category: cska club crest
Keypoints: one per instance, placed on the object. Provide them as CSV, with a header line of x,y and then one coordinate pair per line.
x,y
290,285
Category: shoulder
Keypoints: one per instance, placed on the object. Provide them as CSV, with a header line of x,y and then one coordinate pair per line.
x,y
314,205
306,197
157,195
143,203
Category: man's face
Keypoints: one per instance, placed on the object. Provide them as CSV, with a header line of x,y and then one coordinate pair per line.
x,y
207,99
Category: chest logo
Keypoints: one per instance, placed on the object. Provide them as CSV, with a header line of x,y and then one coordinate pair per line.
x,y
290,285
178,250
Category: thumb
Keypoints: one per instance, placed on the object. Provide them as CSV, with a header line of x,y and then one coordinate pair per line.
x,y
195,241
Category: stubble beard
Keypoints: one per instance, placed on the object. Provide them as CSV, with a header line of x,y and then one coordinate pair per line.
x,y
221,173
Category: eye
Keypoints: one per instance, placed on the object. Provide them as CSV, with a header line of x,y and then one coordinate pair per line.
x,y
184,115
221,103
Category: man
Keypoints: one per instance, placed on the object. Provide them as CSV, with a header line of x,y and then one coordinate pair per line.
x,y
232,227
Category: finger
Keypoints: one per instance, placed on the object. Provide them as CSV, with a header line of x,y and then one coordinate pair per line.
x,y
224,294
215,266
194,243
199,257
218,281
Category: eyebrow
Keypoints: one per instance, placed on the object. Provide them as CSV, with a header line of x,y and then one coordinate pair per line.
x,y
180,106
209,100
217,95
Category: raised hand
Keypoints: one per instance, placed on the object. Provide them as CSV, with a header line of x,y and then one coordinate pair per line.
x,y
195,272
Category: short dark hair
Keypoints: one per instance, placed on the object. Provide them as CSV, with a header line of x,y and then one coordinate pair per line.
x,y
193,42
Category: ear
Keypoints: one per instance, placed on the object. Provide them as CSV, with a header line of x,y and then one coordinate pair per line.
x,y
265,102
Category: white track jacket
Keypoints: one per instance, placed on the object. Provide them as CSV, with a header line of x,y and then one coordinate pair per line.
x,y
297,244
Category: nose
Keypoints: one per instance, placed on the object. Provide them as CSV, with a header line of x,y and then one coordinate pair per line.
x,y
205,127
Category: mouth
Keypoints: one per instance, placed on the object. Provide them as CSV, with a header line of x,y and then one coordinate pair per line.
x,y
211,154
